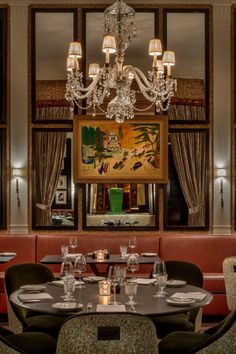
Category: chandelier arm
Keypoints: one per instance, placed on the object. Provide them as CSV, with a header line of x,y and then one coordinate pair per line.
x,y
137,72
144,109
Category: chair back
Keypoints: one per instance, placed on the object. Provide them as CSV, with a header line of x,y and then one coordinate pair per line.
x,y
7,347
229,270
16,276
223,340
106,333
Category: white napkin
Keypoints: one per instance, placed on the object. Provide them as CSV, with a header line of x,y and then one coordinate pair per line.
x,y
38,296
143,281
111,308
72,256
93,278
148,254
60,282
195,295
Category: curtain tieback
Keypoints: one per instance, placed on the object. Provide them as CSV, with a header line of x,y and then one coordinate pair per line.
x,y
45,207
195,209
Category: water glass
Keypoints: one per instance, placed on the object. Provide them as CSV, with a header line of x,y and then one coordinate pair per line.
x,y
114,282
64,250
69,287
123,250
121,274
66,269
131,291
160,274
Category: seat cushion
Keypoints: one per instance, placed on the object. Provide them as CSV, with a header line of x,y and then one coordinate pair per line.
x,y
167,324
45,323
37,343
181,342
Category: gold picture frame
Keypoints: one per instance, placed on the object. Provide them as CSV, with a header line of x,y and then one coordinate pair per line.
x,y
135,151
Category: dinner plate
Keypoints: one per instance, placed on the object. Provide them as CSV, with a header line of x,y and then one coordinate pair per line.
x,y
180,302
67,306
33,287
176,283
7,254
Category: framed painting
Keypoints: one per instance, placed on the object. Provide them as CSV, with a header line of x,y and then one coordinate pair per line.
x,y
134,151
61,197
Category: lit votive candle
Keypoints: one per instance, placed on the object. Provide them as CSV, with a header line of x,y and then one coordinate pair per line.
x,y
100,255
104,287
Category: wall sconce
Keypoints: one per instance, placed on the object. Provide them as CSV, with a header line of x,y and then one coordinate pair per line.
x,y
221,172
17,172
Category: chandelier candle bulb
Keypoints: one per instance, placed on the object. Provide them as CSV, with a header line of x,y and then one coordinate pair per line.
x,y
93,70
168,60
72,64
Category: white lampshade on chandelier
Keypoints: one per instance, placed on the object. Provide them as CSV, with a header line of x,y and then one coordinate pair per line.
x,y
158,87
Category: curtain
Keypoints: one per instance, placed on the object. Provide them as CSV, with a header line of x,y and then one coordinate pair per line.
x,y
49,148
186,112
189,154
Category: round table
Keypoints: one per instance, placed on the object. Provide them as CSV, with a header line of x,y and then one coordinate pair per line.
x,y
146,303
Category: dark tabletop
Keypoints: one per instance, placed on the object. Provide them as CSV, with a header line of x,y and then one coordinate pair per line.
x,y
146,303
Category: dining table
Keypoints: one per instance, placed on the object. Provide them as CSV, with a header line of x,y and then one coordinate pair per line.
x,y
87,299
97,265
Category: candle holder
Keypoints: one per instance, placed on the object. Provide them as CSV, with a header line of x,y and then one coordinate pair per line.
x,y
100,255
104,287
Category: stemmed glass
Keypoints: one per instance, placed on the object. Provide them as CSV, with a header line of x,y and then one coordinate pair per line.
x,y
159,273
80,267
133,264
66,271
121,274
114,282
73,243
131,291
132,243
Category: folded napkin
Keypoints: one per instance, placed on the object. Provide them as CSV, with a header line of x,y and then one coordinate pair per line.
x,y
148,254
61,283
93,279
111,308
7,254
34,297
72,256
143,281
194,295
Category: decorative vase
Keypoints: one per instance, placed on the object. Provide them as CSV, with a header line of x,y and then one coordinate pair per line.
x,y
116,199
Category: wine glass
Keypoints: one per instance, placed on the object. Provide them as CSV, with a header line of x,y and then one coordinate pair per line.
x,y
159,273
131,291
80,267
114,282
73,243
133,264
64,251
132,243
121,274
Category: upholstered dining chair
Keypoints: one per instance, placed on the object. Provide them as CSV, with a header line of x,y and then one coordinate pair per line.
x,y
219,339
26,343
229,270
21,319
186,321
106,333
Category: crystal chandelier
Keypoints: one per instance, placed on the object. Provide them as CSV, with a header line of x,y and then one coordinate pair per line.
x,y
158,87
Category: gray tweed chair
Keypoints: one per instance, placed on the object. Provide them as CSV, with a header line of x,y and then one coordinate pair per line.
x,y
106,333
219,339
21,319
26,343
229,270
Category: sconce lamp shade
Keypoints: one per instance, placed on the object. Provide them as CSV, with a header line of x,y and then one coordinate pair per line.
x,y
155,47
221,172
16,172
72,63
75,50
109,44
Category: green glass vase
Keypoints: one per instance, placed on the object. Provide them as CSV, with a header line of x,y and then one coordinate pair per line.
x,y
116,199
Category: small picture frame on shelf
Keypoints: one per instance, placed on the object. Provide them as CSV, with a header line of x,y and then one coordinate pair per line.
x,y
61,197
62,182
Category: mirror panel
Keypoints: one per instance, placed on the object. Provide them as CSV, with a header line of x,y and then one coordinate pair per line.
x,y
54,197
53,31
3,169
186,35
137,206
3,64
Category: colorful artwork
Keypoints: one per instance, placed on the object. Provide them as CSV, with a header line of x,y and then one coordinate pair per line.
x,y
133,151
